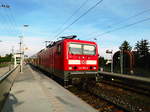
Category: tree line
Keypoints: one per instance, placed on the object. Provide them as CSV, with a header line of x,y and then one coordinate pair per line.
x,y
6,58
141,52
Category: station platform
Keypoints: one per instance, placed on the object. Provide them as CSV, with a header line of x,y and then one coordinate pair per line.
x,y
35,92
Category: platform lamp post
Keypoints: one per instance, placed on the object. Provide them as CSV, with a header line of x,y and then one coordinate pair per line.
x,y
20,43
24,26
22,48
111,52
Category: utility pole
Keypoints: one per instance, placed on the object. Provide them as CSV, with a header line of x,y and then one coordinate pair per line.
x,y
22,48
21,53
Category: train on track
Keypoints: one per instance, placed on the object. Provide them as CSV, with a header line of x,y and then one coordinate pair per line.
x,y
68,58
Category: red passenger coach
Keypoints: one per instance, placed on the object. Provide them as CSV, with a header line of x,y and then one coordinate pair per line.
x,y
70,58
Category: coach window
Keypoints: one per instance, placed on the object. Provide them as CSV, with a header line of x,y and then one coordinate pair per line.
x,y
58,49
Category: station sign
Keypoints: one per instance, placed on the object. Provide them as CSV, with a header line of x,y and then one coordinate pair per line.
x,y
109,52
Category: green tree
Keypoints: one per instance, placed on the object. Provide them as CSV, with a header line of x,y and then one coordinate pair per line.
x,y
102,61
7,58
8,55
142,47
142,54
125,46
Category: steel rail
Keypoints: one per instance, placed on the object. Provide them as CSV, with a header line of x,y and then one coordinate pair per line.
x,y
138,84
125,76
119,106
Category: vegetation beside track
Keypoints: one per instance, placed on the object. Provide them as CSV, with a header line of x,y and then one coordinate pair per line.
x,y
6,60
4,65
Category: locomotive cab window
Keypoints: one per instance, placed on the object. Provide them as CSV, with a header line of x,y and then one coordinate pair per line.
x,y
86,49
75,48
89,50
58,49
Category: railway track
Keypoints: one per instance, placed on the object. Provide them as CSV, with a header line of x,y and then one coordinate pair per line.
x,y
129,87
99,103
109,96
136,84
115,99
122,92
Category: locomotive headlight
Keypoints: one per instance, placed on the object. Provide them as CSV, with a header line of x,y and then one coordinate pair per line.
x,y
94,68
70,68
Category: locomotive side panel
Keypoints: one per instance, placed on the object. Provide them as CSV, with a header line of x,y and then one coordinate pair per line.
x,y
52,60
59,60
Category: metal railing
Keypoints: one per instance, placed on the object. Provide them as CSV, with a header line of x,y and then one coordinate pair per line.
x,y
6,82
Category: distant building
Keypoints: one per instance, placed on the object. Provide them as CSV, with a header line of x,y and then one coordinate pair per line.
x,y
16,59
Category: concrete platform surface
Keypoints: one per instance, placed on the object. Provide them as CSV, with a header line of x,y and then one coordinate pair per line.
x,y
35,92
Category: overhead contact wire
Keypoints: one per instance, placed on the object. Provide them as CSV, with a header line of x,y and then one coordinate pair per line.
x,y
123,27
79,18
12,17
127,19
6,20
75,12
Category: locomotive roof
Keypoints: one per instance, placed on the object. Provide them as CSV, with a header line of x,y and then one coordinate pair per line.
x,y
77,40
70,40
66,40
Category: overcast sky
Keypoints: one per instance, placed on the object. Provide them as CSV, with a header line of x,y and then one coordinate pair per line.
x,y
46,17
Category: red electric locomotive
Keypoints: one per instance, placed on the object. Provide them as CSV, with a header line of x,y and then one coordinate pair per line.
x,y
70,58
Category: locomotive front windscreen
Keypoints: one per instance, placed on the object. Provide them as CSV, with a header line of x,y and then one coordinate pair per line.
x,y
85,49
89,49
